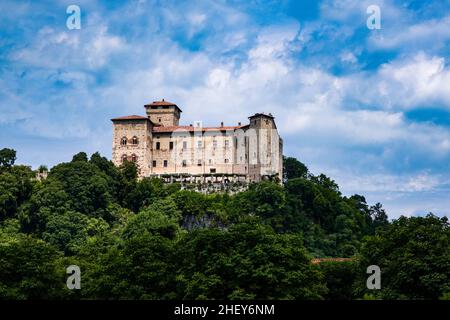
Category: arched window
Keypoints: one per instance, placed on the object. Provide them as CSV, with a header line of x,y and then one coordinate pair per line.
x,y
133,158
134,140
124,158
123,141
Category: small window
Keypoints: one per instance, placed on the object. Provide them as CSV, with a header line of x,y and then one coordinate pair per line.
x,y
226,160
184,163
134,140
133,158
158,145
159,119
227,143
124,158
184,145
123,141
165,163
199,144
171,145
215,144
199,163
212,170
154,163
210,161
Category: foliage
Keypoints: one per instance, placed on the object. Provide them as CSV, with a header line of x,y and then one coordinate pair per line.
x,y
144,239
7,157
414,256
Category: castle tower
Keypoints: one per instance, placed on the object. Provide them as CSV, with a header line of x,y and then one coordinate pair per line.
x,y
265,147
163,113
132,141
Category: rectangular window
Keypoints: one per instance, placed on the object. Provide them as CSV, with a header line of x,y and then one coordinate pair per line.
x,y
214,143
158,145
227,143
199,163
165,163
184,163
184,145
212,170
171,145
199,144
154,163
226,160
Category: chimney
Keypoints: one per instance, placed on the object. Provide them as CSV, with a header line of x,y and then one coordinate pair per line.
x,y
221,124
239,123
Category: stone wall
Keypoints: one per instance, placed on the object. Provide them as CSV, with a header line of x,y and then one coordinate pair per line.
x,y
141,129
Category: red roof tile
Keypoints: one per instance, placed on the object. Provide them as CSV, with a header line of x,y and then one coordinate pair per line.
x,y
191,128
132,117
161,103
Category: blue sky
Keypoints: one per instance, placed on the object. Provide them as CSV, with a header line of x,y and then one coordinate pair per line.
x,y
370,108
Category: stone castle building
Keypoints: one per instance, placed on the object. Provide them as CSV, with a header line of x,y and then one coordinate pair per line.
x,y
161,147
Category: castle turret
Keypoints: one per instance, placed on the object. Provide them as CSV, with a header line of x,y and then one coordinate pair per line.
x,y
265,147
163,113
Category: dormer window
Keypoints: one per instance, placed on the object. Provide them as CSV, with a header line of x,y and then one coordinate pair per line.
x,y
123,141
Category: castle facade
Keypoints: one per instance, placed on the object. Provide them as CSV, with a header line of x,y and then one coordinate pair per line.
x,y
161,147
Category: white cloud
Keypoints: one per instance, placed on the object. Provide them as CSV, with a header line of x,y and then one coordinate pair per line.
x,y
329,120
433,33
405,83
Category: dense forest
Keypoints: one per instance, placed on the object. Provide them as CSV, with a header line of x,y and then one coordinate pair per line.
x,y
142,239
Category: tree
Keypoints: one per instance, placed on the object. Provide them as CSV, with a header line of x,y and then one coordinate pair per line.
x,y
7,157
81,156
248,261
414,257
161,218
89,189
379,217
70,230
292,168
29,268
340,278
15,189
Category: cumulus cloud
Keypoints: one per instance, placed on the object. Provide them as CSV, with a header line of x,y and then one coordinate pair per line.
x,y
218,64
434,32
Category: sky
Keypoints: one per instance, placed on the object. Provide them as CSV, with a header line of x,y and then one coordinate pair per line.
x,y
369,108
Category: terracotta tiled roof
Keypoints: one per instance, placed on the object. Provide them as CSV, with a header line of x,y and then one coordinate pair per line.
x,y
192,128
132,117
161,103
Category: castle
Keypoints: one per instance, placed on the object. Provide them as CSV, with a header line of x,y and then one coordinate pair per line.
x,y
161,147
